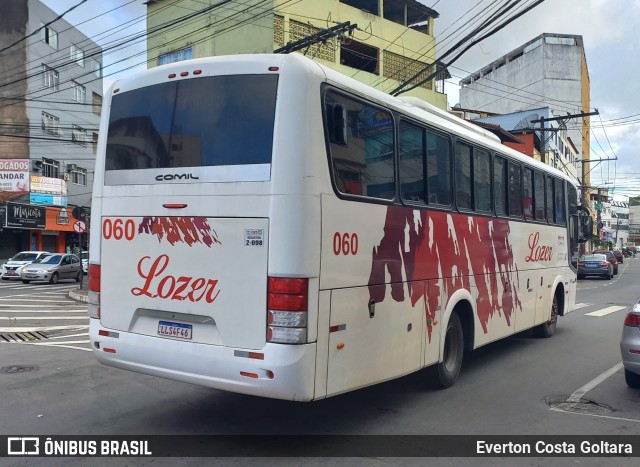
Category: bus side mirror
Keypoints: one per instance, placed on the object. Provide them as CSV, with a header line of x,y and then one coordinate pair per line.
x,y
585,225
337,116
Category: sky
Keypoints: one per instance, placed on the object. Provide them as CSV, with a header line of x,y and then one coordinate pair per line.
x,y
608,28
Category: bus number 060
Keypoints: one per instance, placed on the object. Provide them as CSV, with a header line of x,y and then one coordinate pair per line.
x,y
345,244
118,229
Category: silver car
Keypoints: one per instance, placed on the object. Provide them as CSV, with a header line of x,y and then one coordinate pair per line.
x,y
630,346
52,268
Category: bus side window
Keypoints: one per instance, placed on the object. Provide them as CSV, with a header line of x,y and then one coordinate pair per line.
x,y
464,194
412,154
550,200
499,185
538,196
560,201
438,169
527,192
515,190
361,138
482,180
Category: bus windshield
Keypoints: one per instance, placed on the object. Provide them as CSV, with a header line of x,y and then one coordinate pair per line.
x,y
208,121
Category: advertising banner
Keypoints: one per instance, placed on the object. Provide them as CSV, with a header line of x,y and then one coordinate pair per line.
x,y
14,175
25,216
47,199
48,185
62,219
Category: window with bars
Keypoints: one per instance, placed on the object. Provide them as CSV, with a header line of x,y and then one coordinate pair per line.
x,y
96,68
48,36
79,135
50,124
96,103
77,55
50,168
79,176
50,77
79,93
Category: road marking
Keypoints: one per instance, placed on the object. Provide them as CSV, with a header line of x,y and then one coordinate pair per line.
x,y
37,318
555,409
68,335
74,327
606,311
46,344
577,395
33,310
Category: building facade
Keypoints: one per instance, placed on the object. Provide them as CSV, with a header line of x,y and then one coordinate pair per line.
x,y
549,71
51,94
393,41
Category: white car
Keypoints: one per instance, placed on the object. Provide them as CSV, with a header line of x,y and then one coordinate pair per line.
x,y
12,268
84,256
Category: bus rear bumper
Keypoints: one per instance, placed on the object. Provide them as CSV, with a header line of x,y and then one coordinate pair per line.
x,y
285,371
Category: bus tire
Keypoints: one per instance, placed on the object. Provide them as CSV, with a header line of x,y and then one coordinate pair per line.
x,y
548,329
446,372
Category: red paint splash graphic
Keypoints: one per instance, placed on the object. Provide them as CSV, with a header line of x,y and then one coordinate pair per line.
x,y
453,247
187,230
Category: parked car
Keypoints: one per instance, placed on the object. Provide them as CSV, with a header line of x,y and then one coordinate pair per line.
x,y
610,257
52,268
12,268
630,346
595,265
84,257
619,256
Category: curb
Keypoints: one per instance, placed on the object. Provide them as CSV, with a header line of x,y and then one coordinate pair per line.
x,y
78,295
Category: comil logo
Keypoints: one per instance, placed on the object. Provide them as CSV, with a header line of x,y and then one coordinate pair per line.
x,y
23,446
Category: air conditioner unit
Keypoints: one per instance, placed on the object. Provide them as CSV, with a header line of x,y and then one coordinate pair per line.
x,y
37,166
71,167
66,177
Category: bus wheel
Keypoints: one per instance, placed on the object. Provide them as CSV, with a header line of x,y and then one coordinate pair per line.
x,y
446,372
548,329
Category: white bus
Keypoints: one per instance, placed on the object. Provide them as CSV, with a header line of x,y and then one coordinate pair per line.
x,y
265,225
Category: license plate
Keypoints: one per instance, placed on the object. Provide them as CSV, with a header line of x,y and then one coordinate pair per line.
x,y
179,330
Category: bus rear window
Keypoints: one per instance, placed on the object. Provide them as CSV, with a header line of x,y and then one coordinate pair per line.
x,y
200,122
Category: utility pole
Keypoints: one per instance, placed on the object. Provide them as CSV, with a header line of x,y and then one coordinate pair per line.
x,y
542,129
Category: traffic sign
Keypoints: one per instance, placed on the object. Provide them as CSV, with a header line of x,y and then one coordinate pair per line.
x,y
79,226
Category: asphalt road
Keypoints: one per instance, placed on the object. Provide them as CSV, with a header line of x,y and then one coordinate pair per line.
x,y
570,384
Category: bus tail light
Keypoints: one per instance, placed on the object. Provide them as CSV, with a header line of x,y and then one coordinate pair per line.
x,y
287,305
93,298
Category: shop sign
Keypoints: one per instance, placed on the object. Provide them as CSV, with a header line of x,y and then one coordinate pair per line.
x,y
26,216
14,175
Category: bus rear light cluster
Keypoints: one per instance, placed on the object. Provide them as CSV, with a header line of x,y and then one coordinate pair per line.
x,y
287,305
93,297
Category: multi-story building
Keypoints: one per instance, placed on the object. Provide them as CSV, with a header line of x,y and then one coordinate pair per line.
x,y
549,71
393,41
50,99
620,224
